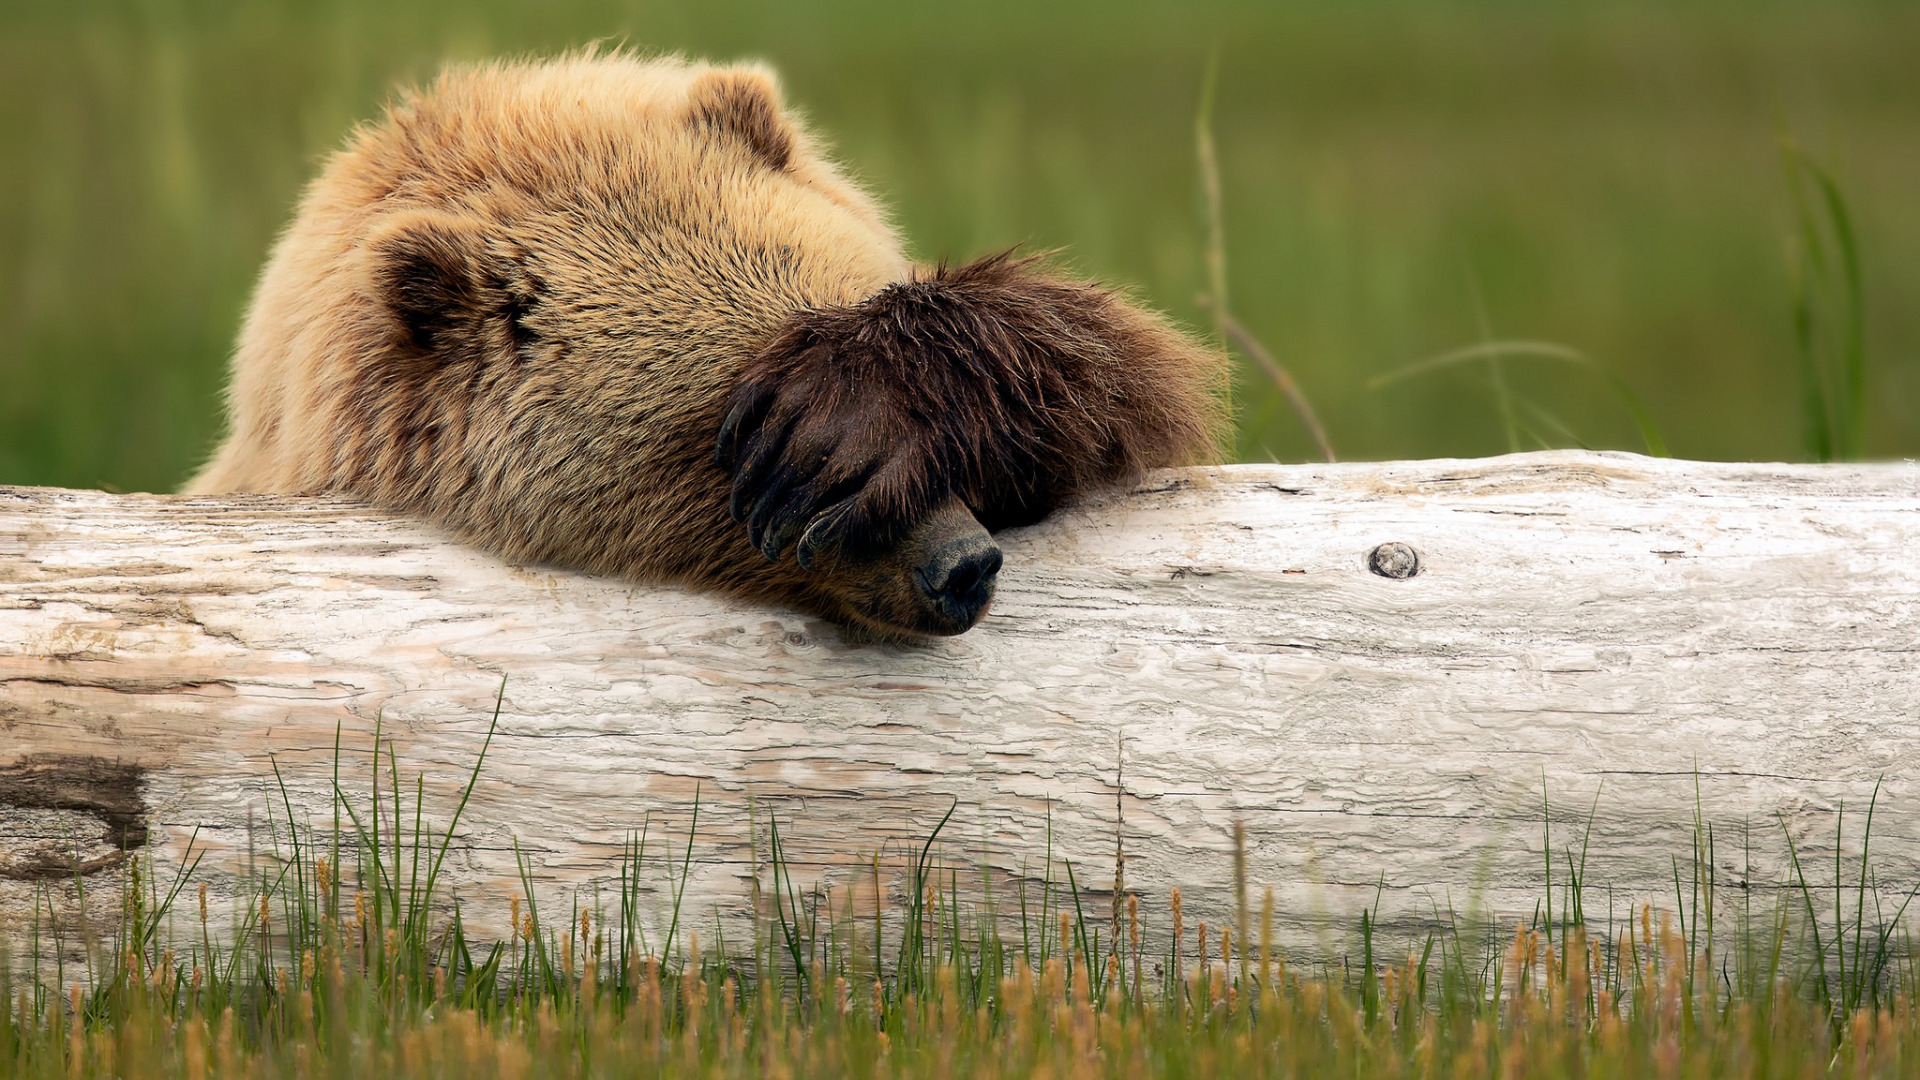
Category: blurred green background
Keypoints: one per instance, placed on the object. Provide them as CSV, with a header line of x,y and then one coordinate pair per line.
x,y
1399,179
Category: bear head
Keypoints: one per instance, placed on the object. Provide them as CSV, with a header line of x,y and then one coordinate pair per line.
x,y
599,312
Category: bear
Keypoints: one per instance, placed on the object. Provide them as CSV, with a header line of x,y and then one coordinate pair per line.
x,y
621,314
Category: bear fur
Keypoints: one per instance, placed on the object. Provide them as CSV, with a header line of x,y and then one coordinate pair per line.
x,y
599,311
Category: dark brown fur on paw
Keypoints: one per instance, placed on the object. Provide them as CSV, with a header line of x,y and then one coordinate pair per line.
x,y
991,381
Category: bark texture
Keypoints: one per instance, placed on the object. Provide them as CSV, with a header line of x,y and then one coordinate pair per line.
x,y
1432,679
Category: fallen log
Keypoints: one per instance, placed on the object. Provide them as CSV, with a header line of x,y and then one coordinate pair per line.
x,y
1417,686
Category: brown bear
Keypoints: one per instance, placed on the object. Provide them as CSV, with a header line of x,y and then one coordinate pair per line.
x,y
597,312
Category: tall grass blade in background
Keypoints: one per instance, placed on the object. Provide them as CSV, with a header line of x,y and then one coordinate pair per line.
x,y
1248,345
1209,159
1492,352
1214,300
1829,310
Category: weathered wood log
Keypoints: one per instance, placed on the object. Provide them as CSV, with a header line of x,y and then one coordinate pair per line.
x,y
1406,676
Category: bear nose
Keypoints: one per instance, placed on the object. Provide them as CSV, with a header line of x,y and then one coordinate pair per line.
x,y
958,578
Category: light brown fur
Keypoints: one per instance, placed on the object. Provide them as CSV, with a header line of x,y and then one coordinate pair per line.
x,y
519,303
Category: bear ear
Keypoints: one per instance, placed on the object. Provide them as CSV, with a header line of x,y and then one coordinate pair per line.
x,y
744,103
444,278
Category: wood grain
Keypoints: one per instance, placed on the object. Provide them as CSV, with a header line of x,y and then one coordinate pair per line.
x,y
1591,640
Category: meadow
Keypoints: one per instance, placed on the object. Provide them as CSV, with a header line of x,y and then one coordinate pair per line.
x,y
1397,181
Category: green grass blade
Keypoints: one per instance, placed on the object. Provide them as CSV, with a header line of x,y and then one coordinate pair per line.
x,y
1536,350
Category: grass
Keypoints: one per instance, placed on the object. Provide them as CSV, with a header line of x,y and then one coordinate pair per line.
x,y
1604,175
1829,320
346,958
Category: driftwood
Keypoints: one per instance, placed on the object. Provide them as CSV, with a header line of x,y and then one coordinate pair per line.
x,y
1426,680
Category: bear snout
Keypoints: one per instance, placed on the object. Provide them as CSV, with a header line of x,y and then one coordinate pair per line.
x,y
957,580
